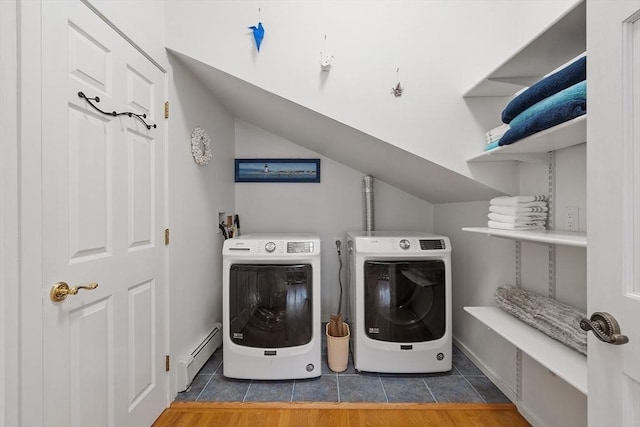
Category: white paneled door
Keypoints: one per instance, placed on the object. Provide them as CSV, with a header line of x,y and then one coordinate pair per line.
x,y
613,209
103,221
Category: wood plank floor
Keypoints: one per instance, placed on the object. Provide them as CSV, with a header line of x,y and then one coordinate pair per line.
x,y
201,414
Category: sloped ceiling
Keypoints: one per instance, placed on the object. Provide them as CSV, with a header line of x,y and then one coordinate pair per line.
x,y
371,156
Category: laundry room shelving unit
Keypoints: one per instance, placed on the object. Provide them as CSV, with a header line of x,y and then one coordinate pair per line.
x,y
562,41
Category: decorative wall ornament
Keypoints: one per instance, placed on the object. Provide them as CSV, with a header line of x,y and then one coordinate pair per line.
x,y
258,34
325,58
397,90
200,146
325,61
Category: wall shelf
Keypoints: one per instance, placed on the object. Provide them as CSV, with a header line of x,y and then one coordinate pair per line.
x,y
563,40
532,148
563,361
552,237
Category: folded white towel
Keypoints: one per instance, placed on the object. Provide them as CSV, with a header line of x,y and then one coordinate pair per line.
x,y
524,224
505,226
517,210
518,219
539,199
497,132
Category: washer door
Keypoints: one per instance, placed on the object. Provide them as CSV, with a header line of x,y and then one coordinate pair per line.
x,y
270,306
404,300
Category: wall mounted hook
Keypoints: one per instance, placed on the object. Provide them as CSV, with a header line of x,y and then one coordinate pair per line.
x,y
140,117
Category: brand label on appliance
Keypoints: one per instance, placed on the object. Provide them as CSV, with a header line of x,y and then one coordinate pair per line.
x,y
238,336
374,330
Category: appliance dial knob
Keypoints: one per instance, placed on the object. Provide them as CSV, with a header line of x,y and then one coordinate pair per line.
x,y
404,244
270,247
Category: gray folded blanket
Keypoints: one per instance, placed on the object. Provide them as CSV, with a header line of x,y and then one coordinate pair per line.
x,y
555,319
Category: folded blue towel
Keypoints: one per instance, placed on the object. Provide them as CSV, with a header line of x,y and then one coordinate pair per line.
x,y
562,79
577,91
563,112
492,145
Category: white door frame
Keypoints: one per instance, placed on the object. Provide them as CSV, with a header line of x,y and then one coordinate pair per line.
x,y
27,294
8,213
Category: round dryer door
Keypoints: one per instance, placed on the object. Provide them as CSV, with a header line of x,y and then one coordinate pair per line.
x,y
405,301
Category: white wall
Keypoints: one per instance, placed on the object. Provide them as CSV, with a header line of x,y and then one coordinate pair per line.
x,y
195,192
479,265
441,48
142,21
329,208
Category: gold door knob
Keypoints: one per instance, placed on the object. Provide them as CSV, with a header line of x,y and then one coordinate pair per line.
x,y
60,291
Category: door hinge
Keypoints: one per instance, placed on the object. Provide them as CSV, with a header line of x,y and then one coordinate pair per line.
x,y
166,236
167,363
166,110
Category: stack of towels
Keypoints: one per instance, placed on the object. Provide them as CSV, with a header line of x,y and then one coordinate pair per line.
x,y
518,212
494,135
559,97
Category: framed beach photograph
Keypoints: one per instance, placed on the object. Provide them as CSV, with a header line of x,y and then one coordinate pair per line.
x,y
277,170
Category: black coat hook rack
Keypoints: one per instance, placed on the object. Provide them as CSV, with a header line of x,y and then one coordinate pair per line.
x,y
140,117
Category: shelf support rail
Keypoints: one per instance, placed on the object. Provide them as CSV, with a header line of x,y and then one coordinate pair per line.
x,y
518,261
551,168
519,374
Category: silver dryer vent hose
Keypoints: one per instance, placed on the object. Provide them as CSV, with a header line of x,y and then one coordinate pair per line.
x,y
367,198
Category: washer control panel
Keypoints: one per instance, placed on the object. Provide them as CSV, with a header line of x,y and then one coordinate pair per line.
x,y
273,245
299,247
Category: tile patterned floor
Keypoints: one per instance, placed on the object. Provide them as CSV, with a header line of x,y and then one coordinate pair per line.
x,y
464,383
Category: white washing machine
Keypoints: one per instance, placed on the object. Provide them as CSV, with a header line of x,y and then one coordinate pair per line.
x,y
271,306
400,301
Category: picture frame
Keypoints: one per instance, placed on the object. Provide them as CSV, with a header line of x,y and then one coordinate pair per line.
x,y
277,170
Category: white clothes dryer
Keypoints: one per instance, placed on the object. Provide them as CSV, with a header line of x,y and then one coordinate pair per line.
x,y
400,301
271,306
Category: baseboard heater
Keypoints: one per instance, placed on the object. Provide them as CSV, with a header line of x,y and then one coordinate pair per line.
x,y
188,367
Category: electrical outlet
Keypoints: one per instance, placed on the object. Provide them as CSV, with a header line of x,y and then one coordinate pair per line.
x,y
572,220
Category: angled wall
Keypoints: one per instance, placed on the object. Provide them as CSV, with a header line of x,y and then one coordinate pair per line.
x,y
436,49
